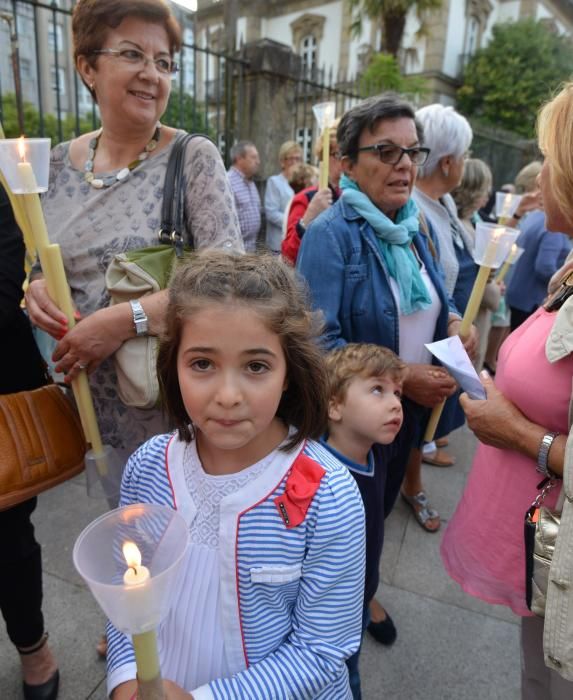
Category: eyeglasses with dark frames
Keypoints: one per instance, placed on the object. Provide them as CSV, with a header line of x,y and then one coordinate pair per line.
x,y
392,155
135,57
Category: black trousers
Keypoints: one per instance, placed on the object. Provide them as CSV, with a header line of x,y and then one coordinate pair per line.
x,y
21,575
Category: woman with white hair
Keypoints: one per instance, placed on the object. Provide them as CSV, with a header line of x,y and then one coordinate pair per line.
x,y
448,135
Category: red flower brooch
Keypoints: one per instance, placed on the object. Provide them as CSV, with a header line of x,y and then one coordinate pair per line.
x,y
301,485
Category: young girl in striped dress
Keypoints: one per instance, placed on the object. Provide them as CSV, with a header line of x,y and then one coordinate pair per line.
x,y
270,602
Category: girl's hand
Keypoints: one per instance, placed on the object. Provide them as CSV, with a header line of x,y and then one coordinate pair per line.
x,y
43,310
493,420
470,342
428,385
91,341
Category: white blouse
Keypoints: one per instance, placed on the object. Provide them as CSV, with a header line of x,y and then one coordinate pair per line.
x,y
200,657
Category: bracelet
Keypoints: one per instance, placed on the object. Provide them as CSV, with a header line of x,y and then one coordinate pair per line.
x,y
543,454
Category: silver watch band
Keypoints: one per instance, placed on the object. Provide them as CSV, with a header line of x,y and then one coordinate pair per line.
x,y
139,317
543,454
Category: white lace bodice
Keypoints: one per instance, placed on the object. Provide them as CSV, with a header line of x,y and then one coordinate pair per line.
x,y
208,491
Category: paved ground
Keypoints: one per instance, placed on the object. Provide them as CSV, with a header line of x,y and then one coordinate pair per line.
x,y
449,647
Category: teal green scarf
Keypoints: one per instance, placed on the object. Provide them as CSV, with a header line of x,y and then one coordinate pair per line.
x,y
394,240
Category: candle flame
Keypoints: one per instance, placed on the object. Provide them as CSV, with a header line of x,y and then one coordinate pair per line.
x,y
132,554
22,149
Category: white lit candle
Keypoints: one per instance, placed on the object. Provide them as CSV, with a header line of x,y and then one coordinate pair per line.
x,y
136,574
136,579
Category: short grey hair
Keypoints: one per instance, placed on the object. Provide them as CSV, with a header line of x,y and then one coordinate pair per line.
x,y
367,115
447,134
239,149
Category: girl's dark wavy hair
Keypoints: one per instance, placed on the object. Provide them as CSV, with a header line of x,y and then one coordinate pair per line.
x,y
269,287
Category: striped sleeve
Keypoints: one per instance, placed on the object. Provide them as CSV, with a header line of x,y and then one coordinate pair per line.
x,y
144,481
327,617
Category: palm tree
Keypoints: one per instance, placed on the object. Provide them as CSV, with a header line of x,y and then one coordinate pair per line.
x,y
391,16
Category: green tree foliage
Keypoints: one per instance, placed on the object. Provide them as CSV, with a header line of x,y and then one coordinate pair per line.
x,y
32,124
390,15
506,82
383,73
185,113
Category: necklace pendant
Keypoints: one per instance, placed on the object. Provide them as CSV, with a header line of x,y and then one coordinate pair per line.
x,y
97,183
122,174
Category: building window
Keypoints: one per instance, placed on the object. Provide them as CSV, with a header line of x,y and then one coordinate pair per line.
x,y
308,54
55,37
59,84
25,69
472,35
304,140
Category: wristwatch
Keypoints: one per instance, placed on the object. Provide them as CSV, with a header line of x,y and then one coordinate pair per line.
x,y
543,454
139,318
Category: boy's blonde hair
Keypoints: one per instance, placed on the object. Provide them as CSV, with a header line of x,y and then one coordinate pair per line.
x,y
360,359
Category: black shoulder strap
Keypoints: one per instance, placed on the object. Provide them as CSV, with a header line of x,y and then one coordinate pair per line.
x,y
173,210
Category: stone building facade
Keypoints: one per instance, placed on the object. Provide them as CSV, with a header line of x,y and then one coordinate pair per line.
x,y
319,31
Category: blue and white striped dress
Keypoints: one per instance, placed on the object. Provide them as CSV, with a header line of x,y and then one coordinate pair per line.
x,y
288,601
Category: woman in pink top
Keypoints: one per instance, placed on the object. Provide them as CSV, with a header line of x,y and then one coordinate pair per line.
x,y
522,428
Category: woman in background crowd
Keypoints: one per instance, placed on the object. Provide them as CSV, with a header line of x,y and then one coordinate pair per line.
x,y
470,196
309,203
278,194
448,135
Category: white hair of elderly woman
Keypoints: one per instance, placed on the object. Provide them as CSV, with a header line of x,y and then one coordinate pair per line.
x,y
446,133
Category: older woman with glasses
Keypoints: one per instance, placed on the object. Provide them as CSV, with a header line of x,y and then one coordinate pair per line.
x,y
105,197
372,273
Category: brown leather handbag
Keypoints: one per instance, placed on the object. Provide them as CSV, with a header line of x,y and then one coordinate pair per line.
x,y
41,443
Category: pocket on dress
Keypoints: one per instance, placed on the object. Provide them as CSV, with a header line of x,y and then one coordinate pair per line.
x,y
277,575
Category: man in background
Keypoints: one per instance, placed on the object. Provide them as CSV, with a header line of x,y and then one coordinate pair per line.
x,y
245,165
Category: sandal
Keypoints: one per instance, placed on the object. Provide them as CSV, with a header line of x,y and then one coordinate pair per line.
x,y
439,458
422,511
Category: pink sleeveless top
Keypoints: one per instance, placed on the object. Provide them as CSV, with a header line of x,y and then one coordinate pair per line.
x,y
482,548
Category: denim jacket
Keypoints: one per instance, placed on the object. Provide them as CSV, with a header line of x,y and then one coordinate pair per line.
x,y
348,280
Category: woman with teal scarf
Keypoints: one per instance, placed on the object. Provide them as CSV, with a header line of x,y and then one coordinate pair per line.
x,y
374,275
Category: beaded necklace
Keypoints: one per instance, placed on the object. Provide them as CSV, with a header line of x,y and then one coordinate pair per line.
x,y
99,182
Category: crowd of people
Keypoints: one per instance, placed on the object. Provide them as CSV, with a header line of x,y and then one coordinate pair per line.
x,y
295,381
